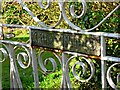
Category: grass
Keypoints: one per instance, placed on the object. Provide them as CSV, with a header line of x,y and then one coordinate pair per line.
x,y
5,74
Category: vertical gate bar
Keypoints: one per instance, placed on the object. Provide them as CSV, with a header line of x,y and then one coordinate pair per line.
x,y
12,76
1,69
15,85
15,81
65,78
103,63
34,66
11,67
17,77
63,70
1,35
118,78
69,86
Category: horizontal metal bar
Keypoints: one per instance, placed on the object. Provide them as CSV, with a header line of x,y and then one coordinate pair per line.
x,y
13,26
110,58
84,55
114,35
14,43
76,54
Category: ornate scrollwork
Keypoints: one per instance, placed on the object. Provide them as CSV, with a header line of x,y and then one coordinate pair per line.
x,y
110,81
62,4
10,50
83,11
4,53
92,68
51,59
26,57
44,7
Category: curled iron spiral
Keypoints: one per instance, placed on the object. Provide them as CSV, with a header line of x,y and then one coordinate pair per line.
x,y
92,68
51,59
4,53
26,57
109,78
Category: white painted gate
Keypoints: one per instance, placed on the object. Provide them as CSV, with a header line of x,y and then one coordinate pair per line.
x,y
30,49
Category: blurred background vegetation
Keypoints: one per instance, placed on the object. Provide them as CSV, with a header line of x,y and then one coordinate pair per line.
x,y
13,13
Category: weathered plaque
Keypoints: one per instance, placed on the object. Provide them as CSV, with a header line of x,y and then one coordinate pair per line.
x,y
75,42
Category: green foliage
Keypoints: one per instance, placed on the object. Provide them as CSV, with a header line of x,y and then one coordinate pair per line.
x,y
13,13
95,13
118,85
51,80
113,47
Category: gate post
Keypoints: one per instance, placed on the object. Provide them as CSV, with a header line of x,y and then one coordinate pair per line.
x,y
103,63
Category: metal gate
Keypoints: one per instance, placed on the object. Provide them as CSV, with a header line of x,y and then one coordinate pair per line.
x,y
64,44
